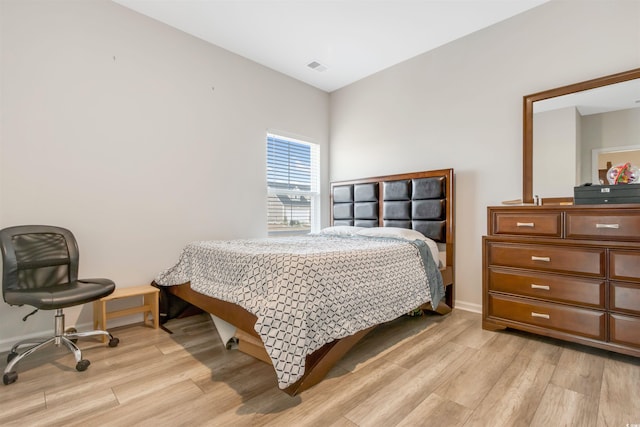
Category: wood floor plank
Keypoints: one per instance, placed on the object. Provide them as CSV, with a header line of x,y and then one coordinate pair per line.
x,y
144,374
425,341
151,409
153,384
435,370
343,422
336,396
65,413
580,369
472,336
15,408
619,400
386,338
540,348
390,404
470,385
236,387
563,407
514,398
436,411
204,410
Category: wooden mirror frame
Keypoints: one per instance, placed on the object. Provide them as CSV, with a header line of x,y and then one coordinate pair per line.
x,y
528,100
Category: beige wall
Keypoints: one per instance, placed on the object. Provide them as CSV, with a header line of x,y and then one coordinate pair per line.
x,y
136,136
460,106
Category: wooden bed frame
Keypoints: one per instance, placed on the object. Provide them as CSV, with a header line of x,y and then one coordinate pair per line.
x,y
320,362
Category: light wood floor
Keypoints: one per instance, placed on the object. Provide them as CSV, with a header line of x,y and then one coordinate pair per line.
x,y
431,370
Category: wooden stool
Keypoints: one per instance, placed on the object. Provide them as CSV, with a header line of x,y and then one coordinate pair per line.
x,y
149,307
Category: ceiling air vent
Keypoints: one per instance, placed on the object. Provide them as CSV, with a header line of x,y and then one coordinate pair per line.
x,y
315,65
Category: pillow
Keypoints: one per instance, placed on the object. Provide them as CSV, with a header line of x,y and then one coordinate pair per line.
x,y
393,232
404,234
341,230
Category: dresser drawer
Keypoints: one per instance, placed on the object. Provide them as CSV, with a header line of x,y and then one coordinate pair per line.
x,y
572,320
624,330
548,224
609,226
624,265
567,289
565,259
624,297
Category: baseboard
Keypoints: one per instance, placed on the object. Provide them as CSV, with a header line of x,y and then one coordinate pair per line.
x,y
468,306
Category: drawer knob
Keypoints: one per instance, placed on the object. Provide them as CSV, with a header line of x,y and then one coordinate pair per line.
x,y
525,224
540,258
608,226
540,315
544,287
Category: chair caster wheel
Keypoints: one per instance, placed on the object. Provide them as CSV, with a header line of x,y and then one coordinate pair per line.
x,y
82,365
72,331
11,356
10,378
113,342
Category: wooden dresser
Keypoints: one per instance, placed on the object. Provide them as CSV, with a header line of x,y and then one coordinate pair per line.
x,y
569,272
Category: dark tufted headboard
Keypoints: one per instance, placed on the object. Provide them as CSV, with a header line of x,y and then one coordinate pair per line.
x,y
423,201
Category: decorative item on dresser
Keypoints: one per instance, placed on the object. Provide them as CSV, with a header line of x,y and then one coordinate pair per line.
x,y
568,272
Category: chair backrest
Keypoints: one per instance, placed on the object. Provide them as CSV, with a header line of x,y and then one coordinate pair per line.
x,y
37,256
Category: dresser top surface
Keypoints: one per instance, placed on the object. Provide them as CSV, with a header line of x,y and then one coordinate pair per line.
x,y
611,207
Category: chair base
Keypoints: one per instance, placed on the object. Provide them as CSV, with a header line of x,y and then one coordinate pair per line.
x,y
61,337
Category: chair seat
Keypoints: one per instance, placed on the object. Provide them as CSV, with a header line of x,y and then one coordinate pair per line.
x,y
61,296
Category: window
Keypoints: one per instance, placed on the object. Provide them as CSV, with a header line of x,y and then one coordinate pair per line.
x,y
293,190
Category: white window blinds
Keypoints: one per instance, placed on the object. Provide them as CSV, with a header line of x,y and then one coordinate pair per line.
x,y
293,186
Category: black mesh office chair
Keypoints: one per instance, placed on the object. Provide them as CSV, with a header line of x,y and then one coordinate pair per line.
x,y
40,269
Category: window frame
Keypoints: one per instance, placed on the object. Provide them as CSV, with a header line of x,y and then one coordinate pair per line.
x,y
293,194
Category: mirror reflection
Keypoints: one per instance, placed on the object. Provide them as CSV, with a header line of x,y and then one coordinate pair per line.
x,y
576,135
603,159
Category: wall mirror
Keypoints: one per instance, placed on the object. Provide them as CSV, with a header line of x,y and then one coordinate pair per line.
x,y
564,128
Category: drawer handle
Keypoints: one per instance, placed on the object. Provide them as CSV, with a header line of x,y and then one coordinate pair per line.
x,y
525,224
544,287
608,226
540,315
540,258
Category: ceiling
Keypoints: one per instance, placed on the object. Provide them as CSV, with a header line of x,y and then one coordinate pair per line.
x,y
349,39
604,99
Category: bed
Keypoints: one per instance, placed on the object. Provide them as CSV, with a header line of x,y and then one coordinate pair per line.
x,y
282,295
